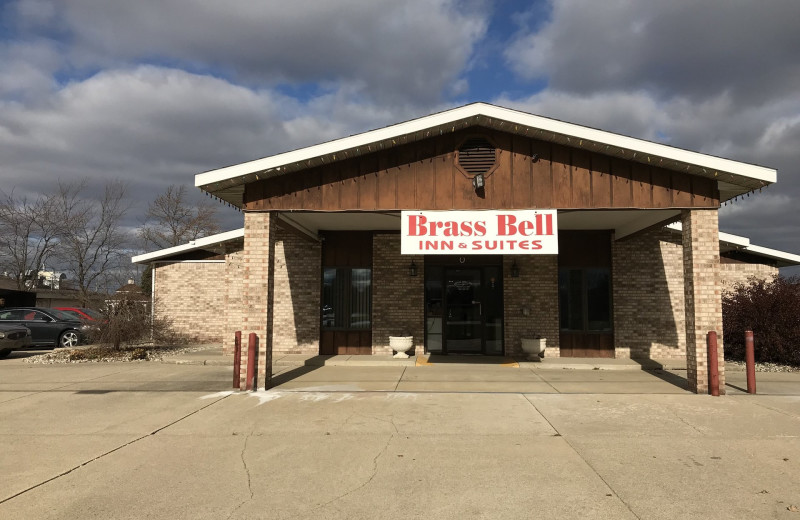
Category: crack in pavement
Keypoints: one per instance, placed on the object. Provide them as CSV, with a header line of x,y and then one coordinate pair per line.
x,y
109,452
777,410
249,477
684,421
589,464
303,514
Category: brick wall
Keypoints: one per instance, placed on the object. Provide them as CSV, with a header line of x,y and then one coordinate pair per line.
x,y
536,289
188,294
297,294
397,298
735,273
233,278
702,294
647,280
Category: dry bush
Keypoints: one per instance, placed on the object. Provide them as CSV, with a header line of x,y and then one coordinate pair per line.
x,y
128,321
771,309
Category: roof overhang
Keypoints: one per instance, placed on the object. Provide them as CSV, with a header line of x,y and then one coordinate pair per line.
x,y
623,222
210,243
734,178
729,242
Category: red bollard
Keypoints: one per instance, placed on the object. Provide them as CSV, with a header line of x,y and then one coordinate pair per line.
x,y
713,364
237,359
251,361
750,361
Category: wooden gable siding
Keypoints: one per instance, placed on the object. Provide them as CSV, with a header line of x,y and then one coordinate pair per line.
x,y
423,175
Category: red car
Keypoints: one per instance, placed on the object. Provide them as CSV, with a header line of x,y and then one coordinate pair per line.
x,y
82,313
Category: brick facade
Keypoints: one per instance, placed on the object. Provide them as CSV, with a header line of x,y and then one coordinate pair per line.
x,y
188,295
647,285
297,294
234,274
206,300
733,273
398,300
702,294
535,293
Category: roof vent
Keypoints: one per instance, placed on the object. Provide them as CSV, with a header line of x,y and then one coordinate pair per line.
x,y
476,155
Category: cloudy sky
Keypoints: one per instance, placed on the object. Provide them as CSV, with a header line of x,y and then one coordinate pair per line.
x,y
155,91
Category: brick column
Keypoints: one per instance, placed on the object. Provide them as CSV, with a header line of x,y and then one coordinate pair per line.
x,y
703,294
258,286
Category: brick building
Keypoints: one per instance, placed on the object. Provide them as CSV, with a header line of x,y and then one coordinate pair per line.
x,y
470,230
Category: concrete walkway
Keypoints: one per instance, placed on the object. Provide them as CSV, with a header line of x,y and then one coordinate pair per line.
x,y
213,356
153,440
488,374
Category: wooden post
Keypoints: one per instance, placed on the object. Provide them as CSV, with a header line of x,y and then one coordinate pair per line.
x,y
750,361
252,342
713,364
237,359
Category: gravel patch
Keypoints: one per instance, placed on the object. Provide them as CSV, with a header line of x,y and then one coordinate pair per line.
x,y
763,367
98,354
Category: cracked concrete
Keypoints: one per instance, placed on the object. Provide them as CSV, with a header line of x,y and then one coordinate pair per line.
x,y
170,441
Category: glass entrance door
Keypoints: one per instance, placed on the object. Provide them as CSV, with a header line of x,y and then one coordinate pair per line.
x,y
463,318
464,306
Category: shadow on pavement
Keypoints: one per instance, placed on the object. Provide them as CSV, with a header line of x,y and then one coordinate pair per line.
x,y
669,377
289,375
462,359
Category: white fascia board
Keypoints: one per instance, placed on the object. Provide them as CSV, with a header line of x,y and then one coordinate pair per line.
x,y
200,243
735,240
578,132
783,256
728,238
744,244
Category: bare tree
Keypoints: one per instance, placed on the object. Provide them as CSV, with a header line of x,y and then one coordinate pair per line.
x,y
29,233
93,241
172,220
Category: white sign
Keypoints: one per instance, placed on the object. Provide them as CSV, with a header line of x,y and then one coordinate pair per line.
x,y
523,232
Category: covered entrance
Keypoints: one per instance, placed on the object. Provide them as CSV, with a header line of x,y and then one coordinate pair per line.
x,y
464,305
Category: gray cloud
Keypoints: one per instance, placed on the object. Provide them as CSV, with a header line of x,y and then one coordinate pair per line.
x,y
681,47
403,52
155,126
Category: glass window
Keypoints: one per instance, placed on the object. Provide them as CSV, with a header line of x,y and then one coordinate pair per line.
x,y
584,297
598,299
346,298
570,298
433,307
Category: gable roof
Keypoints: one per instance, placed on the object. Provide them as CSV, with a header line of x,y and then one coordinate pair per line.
x,y
734,177
730,242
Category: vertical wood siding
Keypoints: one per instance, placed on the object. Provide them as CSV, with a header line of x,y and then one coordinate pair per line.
x,y
530,174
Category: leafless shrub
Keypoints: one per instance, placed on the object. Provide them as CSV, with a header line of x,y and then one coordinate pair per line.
x,y
128,321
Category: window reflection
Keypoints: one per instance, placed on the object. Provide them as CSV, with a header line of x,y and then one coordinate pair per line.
x,y
346,298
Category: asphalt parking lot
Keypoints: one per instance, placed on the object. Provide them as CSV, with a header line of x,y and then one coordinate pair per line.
x,y
134,440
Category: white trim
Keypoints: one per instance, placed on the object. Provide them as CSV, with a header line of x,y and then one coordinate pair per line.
x,y
200,243
743,244
514,117
188,262
774,253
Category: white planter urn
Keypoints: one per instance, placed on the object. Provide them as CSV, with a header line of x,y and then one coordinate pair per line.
x,y
534,347
401,344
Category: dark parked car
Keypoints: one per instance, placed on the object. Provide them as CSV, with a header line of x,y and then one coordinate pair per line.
x,y
13,337
49,327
